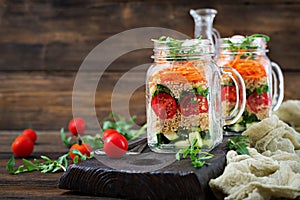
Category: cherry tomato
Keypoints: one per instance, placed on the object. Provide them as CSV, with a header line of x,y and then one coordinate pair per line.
x,y
84,148
22,146
164,105
31,134
193,104
115,145
258,102
228,93
77,126
108,132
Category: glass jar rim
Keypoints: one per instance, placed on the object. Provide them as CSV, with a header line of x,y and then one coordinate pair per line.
x,y
182,48
238,43
204,11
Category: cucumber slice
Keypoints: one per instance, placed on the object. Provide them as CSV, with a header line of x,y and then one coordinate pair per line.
x,y
182,144
171,136
237,128
196,135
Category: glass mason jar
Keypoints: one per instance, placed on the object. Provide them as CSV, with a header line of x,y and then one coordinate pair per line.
x,y
183,96
263,79
203,25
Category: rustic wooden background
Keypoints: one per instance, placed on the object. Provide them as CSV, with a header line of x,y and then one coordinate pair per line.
x,y
43,43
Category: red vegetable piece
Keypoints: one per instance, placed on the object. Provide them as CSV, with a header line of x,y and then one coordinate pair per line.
x,y
164,105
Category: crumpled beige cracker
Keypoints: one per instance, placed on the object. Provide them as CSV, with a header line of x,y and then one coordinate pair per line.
x,y
270,171
289,112
273,134
258,176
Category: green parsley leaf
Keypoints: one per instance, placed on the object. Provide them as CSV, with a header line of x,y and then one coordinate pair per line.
x,y
48,165
177,50
239,143
162,88
66,140
30,166
123,126
195,154
262,89
93,141
10,165
246,43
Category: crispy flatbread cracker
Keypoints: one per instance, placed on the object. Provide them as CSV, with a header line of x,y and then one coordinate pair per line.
x,y
289,112
280,136
258,176
257,131
270,171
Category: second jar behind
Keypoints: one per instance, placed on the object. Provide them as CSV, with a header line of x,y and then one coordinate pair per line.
x,y
263,79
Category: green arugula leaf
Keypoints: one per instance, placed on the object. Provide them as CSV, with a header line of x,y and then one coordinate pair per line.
x,y
124,127
267,38
66,140
62,160
10,165
46,158
248,119
201,91
20,170
246,42
30,166
81,156
262,89
195,154
162,88
94,141
76,159
178,50
48,165
239,143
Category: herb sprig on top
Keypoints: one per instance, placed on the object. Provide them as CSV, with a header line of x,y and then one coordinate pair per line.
x,y
246,43
180,49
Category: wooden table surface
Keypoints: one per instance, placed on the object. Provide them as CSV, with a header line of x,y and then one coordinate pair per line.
x,y
34,185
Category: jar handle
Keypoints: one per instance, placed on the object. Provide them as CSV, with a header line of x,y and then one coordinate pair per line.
x,y
240,103
278,84
216,37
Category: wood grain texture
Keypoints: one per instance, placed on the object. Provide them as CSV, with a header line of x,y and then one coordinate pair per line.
x,y
179,180
34,185
57,35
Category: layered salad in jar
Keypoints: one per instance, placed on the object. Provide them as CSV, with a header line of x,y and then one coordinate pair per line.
x,y
178,111
255,70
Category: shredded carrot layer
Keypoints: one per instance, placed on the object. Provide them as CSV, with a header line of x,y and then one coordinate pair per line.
x,y
249,69
182,71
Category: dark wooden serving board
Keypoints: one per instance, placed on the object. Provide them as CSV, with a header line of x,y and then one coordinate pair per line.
x,y
125,178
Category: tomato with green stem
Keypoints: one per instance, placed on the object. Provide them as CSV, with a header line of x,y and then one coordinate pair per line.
x,y
83,148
